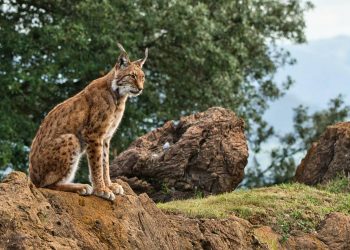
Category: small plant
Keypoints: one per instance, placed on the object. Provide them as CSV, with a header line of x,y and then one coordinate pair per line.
x,y
198,193
165,188
340,185
284,228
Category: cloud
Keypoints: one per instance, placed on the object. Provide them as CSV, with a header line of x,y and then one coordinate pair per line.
x,y
322,73
328,19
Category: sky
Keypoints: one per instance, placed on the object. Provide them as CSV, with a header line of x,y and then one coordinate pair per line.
x,y
329,19
323,66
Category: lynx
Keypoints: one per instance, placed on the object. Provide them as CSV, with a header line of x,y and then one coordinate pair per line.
x,y
83,123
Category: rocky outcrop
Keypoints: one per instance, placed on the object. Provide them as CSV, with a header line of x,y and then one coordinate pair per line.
x,y
327,158
32,218
204,153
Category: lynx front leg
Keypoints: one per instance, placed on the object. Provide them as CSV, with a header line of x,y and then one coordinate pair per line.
x,y
106,175
115,187
94,153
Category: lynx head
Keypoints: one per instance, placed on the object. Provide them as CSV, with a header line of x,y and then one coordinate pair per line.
x,y
128,76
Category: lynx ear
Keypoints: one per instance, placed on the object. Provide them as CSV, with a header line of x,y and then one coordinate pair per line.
x,y
141,62
123,59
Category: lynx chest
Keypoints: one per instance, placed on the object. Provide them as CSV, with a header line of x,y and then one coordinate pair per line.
x,y
115,119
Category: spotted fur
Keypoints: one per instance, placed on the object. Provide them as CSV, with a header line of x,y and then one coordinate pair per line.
x,y
85,123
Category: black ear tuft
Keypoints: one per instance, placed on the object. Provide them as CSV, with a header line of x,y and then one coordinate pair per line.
x,y
123,61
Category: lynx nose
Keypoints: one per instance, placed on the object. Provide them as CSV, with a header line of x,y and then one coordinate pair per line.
x,y
138,91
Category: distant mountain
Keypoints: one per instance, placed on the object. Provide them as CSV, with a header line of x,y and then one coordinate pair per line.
x,y
321,73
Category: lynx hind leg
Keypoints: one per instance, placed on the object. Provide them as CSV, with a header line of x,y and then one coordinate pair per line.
x,y
116,188
82,189
64,160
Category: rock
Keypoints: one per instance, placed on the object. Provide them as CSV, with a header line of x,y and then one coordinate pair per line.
x,y
305,241
32,218
328,158
36,218
334,231
204,153
233,233
265,235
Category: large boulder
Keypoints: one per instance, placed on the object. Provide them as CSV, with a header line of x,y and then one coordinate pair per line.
x,y
327,158
204,153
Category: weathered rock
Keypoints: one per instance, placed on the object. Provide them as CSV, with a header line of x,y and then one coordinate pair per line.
x,y
265,235
204,153
32,218
328,158
334,231
305,241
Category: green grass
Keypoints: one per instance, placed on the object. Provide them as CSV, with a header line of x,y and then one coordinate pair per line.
x,y
284,207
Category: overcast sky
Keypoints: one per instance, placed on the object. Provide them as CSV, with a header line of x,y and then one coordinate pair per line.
x,y
330,18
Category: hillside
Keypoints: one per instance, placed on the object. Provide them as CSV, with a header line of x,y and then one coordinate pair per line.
x,y
288,216
285,208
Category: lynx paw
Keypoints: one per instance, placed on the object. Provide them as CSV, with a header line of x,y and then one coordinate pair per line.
x,y
105,193
86,190
116,188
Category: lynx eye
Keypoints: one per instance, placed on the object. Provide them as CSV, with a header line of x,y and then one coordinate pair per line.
x,y
133,76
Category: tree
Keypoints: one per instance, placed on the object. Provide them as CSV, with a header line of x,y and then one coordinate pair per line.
x,y
202,54
292,146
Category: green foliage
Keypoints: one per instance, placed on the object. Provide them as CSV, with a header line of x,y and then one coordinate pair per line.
x,y
165,188
284,207
198,193
307,129
202,54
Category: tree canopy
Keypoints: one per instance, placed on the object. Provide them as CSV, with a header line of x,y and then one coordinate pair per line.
x,y
202,53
